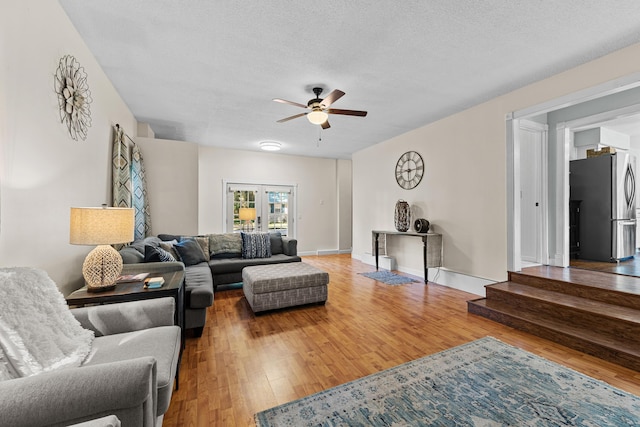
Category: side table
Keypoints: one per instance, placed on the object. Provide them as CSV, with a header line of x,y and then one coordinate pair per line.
x,y
135,291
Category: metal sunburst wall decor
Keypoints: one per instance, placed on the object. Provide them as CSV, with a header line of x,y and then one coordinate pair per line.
x,y
74,97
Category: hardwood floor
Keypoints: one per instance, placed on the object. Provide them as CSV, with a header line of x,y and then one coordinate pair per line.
x,y
628,267
244,363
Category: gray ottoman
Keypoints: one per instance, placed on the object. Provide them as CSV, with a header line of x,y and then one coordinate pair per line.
x,y
268,287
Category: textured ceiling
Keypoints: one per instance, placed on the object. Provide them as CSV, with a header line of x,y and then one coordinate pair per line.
x,y
206,71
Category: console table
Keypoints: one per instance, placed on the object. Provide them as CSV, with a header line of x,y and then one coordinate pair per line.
x,y
431,247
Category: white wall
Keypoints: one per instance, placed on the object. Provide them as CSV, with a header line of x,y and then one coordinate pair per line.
x,y
43,171
345,205
317,181
462,194
464,189
171,168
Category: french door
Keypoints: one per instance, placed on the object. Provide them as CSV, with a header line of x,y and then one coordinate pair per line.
x,y
260,208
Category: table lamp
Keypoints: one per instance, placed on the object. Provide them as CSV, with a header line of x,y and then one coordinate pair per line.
x,y
103,227
247,214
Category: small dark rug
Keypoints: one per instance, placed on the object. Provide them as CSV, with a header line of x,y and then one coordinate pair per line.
x,y
482,383
388,277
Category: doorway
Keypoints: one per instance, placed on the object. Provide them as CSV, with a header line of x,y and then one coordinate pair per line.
x,y
260,207
558,174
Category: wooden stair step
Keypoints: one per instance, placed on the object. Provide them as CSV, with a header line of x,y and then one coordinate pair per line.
x,y
562,300
605,346
610,288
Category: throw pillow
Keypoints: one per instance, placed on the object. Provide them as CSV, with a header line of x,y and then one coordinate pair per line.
x,y
255,245
276,243
169,237
227,243
140,244
153,254
190,252
168,246
203,241
131,255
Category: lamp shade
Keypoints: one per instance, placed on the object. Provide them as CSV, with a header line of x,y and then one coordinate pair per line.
x,y
317,117
247,214
101,226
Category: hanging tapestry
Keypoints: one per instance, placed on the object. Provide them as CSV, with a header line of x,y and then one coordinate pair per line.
x,y
140,200
121,171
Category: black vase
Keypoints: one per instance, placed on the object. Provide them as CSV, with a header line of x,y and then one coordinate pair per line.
x,y
421,225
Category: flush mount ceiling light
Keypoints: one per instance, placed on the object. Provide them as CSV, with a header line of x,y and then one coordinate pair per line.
x,y
270,146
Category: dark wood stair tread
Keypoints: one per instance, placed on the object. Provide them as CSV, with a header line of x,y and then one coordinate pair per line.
x,y
599,308
594,312
596,279
607,341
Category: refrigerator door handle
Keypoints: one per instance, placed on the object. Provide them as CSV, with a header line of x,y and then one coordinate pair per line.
x,y
630,187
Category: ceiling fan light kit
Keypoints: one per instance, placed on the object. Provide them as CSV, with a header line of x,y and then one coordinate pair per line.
x,y
319,114
317,117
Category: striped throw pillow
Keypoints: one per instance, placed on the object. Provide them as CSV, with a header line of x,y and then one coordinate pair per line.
x,y
256,245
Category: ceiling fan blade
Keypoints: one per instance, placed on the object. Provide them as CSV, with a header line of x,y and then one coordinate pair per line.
x,y
286,119
332,97
326,125
346,112
284,101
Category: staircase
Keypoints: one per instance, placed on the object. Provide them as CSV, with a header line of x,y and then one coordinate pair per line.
x,y
594,312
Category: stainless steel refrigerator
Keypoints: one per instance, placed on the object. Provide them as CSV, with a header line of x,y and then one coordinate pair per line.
x,y
606,188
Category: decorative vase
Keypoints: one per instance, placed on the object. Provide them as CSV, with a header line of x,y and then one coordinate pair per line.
x,y
402,217
421,225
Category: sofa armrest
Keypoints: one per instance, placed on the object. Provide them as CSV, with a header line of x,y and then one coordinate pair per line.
x,y
200,297
126,389
122,317
289,246
198,286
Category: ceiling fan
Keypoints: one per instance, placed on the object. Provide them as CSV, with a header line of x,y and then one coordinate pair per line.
x,y
319,114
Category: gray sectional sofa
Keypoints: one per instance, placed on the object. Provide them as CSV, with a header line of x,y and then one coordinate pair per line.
x,y
226,264
218,261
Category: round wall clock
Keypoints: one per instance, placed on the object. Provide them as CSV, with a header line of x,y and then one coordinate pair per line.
x,y
409,170
74,97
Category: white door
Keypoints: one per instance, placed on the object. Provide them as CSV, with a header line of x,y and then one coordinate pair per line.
x,y
271,208
532,143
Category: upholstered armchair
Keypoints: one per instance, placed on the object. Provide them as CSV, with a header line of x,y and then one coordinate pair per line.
x,y
129,371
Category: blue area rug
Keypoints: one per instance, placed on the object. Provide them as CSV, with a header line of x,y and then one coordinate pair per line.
x,y
388,277
482,383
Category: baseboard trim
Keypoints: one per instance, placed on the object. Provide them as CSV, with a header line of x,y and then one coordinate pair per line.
x,y
442,276
325,252
463,282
